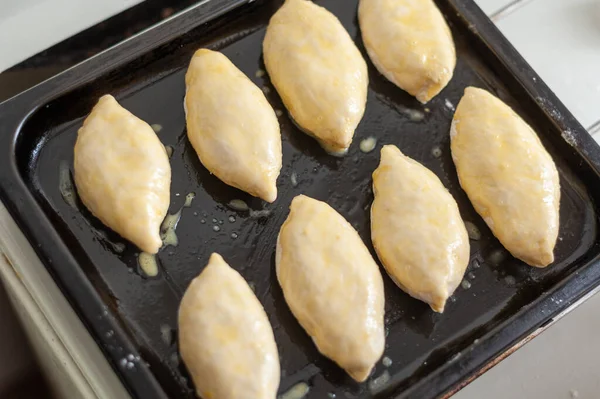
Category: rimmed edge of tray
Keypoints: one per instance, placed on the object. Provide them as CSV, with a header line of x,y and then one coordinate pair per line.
x,y
31,218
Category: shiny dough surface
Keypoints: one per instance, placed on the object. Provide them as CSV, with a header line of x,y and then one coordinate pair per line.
x,y
122,173
232,126
225,337
318,72
409,43
508,175
417,230
332,285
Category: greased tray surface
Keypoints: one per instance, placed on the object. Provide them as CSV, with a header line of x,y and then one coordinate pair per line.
x,y
133,318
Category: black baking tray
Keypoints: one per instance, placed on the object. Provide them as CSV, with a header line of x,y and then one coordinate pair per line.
x,y
133,318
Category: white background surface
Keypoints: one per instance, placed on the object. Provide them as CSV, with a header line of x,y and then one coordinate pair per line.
x,y
561,41
559,38
30,26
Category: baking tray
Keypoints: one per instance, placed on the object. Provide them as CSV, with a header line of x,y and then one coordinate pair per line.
x,y
133,318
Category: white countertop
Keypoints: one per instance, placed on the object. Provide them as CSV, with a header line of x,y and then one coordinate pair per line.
x,y
561,41
48,22
559,38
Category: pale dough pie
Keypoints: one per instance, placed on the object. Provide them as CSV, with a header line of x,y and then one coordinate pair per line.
x,y
318,72
332,285
508,175
409,43
417,230
231,125
122,173
225,338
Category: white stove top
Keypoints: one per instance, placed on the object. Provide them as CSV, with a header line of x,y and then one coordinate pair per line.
x,y
559,38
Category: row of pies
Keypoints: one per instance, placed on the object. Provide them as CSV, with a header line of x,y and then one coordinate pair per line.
x,y
329,279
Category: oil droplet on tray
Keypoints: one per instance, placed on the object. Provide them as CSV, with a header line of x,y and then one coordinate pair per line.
x,y
166,334
510,281
278,112
298,391
168,226
466,284
231,219
174,358
376,384
216,228
497,257
367,145
263,213
413,114
386,361
294,179
260,73
436,152
167,229
65,185
472,231
238,205
188,199
156,127
148,264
